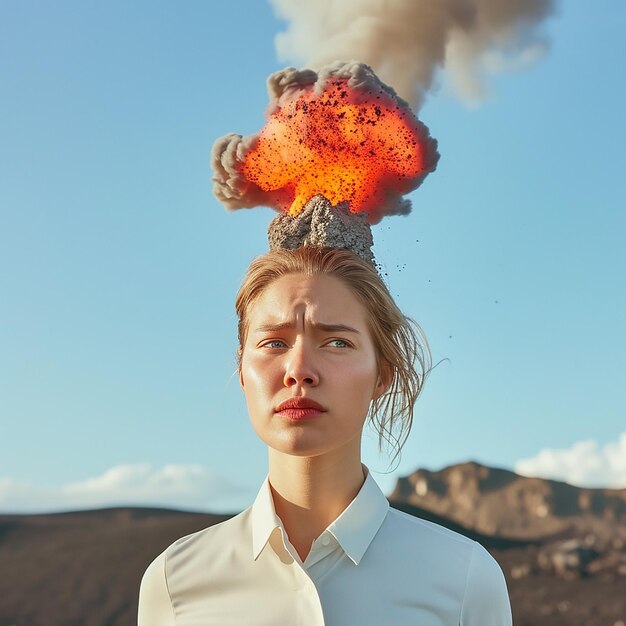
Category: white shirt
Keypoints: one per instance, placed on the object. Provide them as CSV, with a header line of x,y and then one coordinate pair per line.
x,y
373,565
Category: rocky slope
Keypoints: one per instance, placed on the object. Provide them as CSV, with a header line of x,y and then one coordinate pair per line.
x,y
499,502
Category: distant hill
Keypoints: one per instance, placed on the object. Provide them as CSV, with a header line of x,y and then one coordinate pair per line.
x,y
83,568
560,547
498,502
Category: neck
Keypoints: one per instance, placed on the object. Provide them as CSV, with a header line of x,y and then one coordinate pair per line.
x,y
311,492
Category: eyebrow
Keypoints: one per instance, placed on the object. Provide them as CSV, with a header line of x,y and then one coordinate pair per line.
x,y
329,328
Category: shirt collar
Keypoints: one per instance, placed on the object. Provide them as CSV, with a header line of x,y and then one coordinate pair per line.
x,y
354,529
264,519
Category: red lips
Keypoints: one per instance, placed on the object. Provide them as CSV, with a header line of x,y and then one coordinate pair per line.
x,y
299,402
299,408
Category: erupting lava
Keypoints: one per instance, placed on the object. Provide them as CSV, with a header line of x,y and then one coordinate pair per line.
x,y
342,134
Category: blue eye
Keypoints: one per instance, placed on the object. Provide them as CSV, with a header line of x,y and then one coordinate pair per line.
x,y
339,343
274,343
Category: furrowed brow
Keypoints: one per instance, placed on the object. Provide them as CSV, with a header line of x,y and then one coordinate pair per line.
x,y
336,328
328,328
270,328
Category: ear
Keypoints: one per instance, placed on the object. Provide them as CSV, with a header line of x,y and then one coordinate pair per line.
x,y
385,377
239,370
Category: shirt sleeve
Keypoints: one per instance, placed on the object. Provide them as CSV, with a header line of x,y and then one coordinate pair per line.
x,y
486,601
155,605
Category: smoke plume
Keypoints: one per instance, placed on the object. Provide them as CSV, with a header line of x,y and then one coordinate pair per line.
x,y
408,42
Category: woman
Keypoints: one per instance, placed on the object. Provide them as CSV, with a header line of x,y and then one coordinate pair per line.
x,y
321,346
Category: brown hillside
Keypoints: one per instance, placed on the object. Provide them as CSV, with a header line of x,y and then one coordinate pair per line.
x,y
499,502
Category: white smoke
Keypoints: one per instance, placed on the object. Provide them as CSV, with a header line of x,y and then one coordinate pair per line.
x,y
408,42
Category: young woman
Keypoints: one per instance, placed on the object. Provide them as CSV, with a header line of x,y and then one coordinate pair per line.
x,y
323,348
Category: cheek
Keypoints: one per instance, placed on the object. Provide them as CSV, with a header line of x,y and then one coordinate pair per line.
x,y
258,385
358,379
256,378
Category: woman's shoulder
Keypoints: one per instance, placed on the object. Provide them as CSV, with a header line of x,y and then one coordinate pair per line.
x,y
417,536
215,536
412,527
209,540
186,562
453,557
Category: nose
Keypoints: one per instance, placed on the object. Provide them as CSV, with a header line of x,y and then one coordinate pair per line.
x,y
300,368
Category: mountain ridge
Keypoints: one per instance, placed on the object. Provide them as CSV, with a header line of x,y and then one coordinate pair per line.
x,y
495,501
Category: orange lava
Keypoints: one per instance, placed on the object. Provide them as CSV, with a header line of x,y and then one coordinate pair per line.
x,y
345,145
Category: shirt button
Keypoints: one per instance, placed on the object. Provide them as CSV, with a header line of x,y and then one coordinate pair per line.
x,y
325,540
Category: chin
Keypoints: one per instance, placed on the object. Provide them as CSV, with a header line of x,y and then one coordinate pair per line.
x,y
311,444
296,446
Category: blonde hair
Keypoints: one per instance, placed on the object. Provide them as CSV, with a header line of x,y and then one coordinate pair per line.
x,y
400,344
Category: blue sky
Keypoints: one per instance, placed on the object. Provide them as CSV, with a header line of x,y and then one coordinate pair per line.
x,y
118,268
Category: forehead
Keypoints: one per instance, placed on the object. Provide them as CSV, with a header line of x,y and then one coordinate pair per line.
x,y
319,298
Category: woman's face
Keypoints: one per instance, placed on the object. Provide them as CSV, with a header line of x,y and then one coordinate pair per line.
x,y
308,343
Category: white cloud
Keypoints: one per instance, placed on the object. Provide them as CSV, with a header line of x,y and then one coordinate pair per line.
x,y
188,487
584,464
